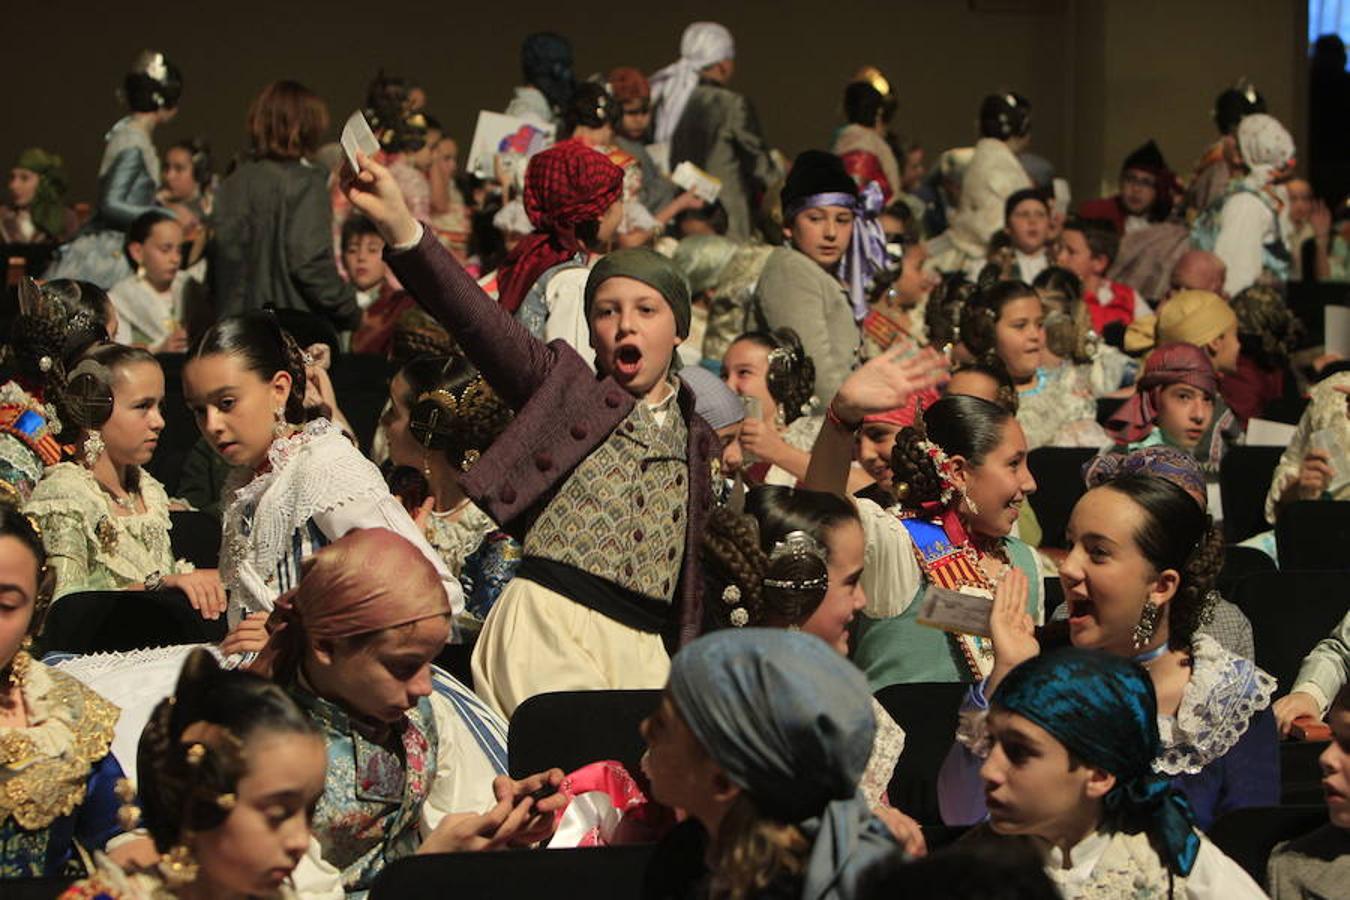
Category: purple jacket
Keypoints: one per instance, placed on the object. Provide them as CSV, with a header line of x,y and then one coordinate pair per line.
x,y
564,411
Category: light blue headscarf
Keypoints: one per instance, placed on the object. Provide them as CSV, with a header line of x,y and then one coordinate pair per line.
x,y
790,721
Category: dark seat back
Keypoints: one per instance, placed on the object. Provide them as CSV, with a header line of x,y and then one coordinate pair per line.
x,y
361,383
570,729
108,621
597,873
1290,612
1314,534
927,712
195,537
1059,483
1244,479
1248,835
1238,563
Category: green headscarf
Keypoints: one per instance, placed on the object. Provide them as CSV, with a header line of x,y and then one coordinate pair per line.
x,y
48,208
651,268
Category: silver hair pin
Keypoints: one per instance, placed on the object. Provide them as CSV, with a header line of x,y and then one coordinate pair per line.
x,y
799,545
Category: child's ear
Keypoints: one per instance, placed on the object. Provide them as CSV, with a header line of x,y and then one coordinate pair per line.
x,y
136,251
1099,783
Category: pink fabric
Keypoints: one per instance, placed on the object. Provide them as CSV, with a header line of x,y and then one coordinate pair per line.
x,y
368,580
904,415
640,820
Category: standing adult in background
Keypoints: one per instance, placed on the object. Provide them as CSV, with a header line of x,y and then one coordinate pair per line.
x,y
546,62
128,176
1329,120
1221,162
993,176
273,241
1146,190
712,126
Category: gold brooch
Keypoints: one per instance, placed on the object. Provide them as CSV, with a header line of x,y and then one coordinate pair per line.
x,y
107,534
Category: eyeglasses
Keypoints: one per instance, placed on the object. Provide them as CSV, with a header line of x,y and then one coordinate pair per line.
x,y
1139,179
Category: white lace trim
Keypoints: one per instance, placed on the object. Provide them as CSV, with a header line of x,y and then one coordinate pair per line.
x,y
314,471
1224,694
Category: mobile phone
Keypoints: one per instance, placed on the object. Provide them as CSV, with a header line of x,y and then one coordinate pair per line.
x,y
753,408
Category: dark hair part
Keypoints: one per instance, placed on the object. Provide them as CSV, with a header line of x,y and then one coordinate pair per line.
x,y
264,348
980,315
736,550
70,317
970,427
862,103
460,433
1005,390
357,226
942,315
714,213
286,121
141,228
1099,234
199,155
178,796
1176,534
89,405
792,374
146,94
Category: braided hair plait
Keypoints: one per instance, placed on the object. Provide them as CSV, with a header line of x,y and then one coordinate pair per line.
x,y
942,315
732,556
791,375
912,466
1193,605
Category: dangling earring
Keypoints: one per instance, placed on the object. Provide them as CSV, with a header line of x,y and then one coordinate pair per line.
x,y
1147,624
279,428
178,866
780,418
426,467
93,448
140,271
970,504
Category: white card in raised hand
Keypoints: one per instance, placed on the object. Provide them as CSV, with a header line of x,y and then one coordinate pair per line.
x,y
357,137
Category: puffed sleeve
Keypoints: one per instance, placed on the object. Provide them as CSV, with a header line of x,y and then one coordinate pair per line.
x,y
96,818
1327,668
115,202
891,575
63,536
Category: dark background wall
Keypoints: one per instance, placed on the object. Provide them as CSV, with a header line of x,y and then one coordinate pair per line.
x,y
1103,75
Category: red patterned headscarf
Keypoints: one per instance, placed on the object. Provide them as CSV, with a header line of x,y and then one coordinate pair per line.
x,y
565,185
903,416
628,84
1168,364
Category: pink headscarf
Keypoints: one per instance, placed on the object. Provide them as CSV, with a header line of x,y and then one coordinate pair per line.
x,y
1166,365
368,580
903,416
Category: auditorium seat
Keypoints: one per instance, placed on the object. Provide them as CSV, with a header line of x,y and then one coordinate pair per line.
x,y
1244,480
107,621
927,712
1248,835
1106,408
1301,772
34,888
570,729
595,873
195,537
1290,611
1059,483
1238,563
361,384
1314,534
309,328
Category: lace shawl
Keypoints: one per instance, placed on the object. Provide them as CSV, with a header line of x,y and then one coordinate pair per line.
x,y
312,472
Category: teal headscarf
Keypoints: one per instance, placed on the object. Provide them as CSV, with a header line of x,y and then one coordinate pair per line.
x,y
790,721
1103,710
49,207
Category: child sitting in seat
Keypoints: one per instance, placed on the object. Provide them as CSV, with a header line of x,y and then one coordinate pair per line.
x,y
381,303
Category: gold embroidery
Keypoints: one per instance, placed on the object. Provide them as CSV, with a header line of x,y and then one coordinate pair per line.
x,y
37,791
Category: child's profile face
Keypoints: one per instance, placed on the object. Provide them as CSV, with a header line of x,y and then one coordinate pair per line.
x,y
1335,763
363,259
1029,226
1030,784
633,334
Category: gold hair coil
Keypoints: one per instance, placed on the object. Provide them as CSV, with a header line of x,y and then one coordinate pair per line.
x,y
475,393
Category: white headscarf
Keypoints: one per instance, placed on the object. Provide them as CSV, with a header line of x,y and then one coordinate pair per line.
x,y
1265,145
703,44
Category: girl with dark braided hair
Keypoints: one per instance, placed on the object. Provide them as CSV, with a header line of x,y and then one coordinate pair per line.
x,y
772,371
1139,584
961,478
297,486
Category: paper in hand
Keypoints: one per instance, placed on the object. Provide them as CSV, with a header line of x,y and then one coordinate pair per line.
x,y
690,177
955,612
357,137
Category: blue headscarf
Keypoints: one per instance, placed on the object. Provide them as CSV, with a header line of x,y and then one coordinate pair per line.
x,y
1103,710
790,721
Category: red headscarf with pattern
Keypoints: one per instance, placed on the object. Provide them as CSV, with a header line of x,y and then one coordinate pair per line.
x,y
565,185
1166,365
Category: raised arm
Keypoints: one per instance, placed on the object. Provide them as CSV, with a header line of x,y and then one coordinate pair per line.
x,y
512,360
883,383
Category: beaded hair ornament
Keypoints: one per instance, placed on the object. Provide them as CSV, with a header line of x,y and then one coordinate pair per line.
x,y
784,365
437,416
797,545
942,463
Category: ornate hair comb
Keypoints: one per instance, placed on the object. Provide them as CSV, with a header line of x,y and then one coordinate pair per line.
x,y
798,545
